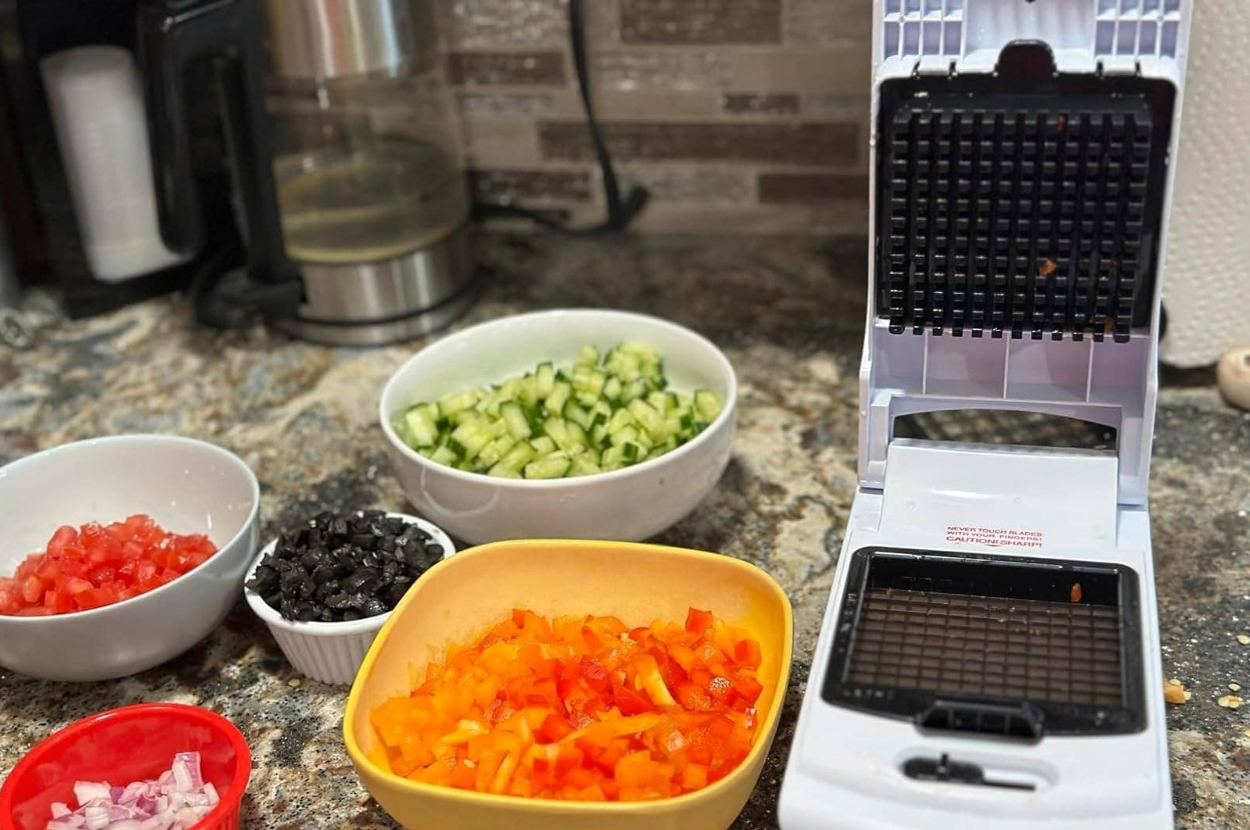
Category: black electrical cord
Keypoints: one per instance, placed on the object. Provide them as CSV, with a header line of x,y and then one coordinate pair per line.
x,y
620,213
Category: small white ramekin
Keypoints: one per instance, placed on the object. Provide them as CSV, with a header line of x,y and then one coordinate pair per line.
x,y
329,652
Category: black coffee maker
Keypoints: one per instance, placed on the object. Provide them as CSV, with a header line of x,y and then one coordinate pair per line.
x,y
201,67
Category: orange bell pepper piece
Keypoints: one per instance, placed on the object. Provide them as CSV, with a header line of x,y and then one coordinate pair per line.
x,y
579,708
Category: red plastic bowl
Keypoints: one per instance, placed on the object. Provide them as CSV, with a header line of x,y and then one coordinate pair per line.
x,y
133,743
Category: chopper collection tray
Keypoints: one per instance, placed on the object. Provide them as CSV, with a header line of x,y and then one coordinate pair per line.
x,y
1009,646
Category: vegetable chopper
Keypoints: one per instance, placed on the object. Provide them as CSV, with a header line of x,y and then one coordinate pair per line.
x,y
989,656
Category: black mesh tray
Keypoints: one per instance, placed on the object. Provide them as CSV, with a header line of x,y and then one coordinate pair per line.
x,y
1022,202
948,641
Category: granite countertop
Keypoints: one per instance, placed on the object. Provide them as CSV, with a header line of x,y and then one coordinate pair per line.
x,y
788,312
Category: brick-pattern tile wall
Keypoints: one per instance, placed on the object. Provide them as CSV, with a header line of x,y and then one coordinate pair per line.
x,y
748,115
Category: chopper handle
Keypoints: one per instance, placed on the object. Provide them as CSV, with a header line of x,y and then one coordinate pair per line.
x,y
172,34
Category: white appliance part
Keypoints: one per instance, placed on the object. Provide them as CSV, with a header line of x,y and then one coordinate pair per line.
x,y
1022,172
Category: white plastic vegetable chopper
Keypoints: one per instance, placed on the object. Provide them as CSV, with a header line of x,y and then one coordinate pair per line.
x,y
989,657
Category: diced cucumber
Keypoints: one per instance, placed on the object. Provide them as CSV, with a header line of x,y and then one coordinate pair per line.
x,y
588,383
516,458
501,470
457,401
495,450
601,407
595,414
613,458
545,379
577,436
543,445
638,388
587,356
555,427
620,419
527,392
645,353
612,388
708,403
573,412
624,435
514,417
657,451
585,465
421,429
651,420
555,465
443,455
464,416
476,435
559,395
623,365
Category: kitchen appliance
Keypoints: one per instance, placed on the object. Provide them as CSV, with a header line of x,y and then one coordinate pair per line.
x,y
372,192
196,62
989,656
355,164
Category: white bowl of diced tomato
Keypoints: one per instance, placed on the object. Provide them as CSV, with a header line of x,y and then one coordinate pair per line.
x,y
119,553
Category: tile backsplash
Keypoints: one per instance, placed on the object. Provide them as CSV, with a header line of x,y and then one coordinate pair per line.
x,y
748,115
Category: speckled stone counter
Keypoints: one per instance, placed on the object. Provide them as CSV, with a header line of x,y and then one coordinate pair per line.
x,y
788,312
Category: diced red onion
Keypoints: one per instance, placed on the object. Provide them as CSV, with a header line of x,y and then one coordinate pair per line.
x,y
175,801
85,791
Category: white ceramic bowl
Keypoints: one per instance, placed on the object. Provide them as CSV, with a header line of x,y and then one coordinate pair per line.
x,y
329,652
630,504
186,486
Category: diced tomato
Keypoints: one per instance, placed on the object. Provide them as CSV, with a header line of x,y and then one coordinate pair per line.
x,y
32,589
98,565
62,537
75,586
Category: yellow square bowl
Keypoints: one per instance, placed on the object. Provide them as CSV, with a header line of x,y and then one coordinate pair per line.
x,y
457,600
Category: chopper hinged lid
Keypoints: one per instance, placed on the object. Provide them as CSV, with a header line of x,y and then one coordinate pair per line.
x,y
1021,168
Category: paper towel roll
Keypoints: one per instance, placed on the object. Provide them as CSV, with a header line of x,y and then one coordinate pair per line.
x,y
96,100
1206,281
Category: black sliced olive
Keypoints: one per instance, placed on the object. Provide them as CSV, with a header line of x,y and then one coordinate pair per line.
x,y
264,581
363,580
344,566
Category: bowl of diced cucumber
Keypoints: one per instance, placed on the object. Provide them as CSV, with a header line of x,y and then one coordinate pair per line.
x,y
577,423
